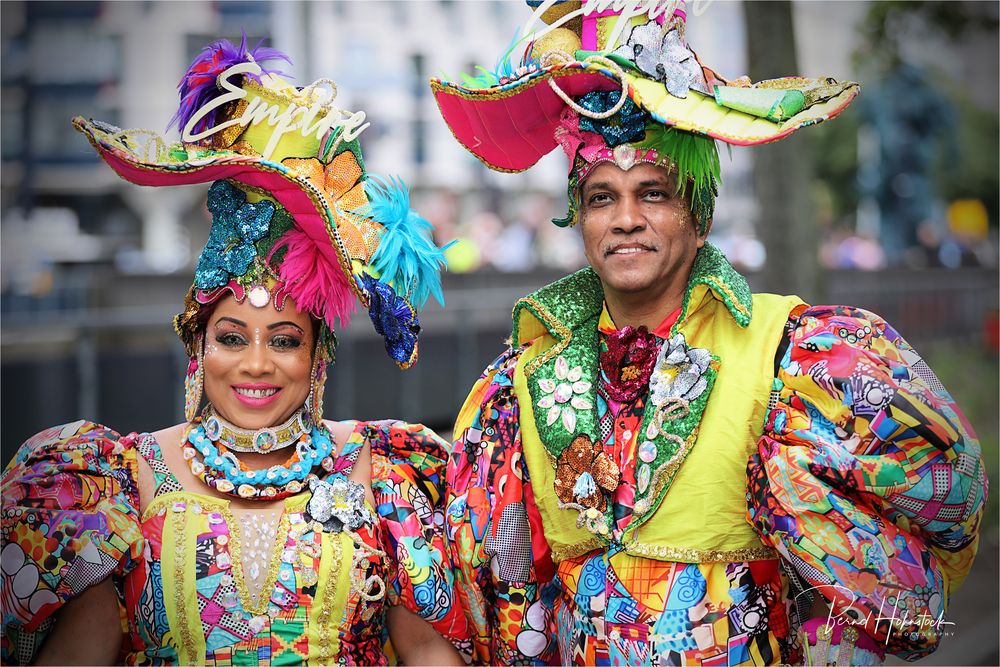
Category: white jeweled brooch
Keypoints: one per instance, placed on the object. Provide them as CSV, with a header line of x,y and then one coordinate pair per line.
x,y
338,505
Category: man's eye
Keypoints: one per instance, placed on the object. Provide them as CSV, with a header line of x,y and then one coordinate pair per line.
x,y
656,195
231,339
285,342
598,198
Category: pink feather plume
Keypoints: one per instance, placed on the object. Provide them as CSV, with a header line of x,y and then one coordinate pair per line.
x,y
315,282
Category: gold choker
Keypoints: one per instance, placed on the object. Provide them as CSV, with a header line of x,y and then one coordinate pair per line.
x,y
262,440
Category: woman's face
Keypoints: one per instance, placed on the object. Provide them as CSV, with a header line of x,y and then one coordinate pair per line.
x,y
257,362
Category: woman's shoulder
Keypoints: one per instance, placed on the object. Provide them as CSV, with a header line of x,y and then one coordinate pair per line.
x,y
405,458
78,440
71,517
401,442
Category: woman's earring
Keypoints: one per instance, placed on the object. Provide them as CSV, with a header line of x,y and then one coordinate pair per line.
x,y
194,381
314,402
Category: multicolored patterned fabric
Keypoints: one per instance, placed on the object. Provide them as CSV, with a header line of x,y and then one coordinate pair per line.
x,y
70,520
868,478
179,569
605,607
610,607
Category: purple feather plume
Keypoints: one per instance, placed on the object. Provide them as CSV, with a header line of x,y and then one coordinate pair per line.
x,y
198,86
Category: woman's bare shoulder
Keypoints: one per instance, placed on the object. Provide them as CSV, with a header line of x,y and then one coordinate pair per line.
x,y
169,436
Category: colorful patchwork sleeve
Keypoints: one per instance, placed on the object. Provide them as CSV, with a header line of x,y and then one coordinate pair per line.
x,y
70,520
504,566
868,479
409,466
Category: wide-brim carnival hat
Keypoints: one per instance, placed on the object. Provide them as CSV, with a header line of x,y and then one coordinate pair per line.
x,y
294,212
608,84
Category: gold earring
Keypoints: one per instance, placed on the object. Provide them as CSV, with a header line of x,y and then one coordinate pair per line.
x,y
317,383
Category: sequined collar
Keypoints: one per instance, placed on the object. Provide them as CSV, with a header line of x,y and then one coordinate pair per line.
x,y
563,306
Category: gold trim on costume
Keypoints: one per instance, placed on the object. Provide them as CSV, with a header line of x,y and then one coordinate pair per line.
x,y
333,548
561,553
717,283
563,333
687,555
184,630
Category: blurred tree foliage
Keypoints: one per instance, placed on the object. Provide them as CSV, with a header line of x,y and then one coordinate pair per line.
x,y
890,20
836,150
972,169
966,167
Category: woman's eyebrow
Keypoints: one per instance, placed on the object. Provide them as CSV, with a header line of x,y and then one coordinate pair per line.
x,y
232,320
284,323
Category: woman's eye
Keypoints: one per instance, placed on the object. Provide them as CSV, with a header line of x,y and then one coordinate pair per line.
x,y
285,342
231,339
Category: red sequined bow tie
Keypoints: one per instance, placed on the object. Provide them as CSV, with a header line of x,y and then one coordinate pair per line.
x,y
628,362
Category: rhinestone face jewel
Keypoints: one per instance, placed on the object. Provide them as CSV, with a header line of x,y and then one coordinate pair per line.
x,y
259,296
624,156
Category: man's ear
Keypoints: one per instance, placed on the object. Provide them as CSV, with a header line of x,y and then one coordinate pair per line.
x,y
703,236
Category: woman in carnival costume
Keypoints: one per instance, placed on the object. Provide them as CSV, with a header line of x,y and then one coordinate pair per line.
x,y
664,468
255,532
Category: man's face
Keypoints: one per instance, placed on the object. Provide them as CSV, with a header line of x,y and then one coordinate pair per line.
x,y
638,234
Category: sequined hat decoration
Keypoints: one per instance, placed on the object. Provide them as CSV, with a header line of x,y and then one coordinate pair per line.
x,y
617,82
294,212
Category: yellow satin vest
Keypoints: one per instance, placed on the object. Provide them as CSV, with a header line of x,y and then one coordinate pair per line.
x,y
702,517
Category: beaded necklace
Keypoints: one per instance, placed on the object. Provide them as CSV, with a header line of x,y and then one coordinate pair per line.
x,y
212,463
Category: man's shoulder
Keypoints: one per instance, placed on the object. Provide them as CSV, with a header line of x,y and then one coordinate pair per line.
x,y
558,307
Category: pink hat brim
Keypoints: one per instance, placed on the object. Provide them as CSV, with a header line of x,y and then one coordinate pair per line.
x,y
511,126
303,201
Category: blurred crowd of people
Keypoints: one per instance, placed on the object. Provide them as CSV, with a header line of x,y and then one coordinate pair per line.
x,y
961,239
514,237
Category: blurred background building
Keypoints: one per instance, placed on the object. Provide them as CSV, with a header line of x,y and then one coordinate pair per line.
x,y
899,194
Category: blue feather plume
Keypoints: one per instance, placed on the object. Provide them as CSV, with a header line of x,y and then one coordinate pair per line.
x,y
406,257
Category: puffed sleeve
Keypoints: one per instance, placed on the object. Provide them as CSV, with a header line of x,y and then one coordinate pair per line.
x,y
868,478
409,465
505,570
70,520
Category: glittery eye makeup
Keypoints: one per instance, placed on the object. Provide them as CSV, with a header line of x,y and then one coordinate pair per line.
x,y
230,339
285,342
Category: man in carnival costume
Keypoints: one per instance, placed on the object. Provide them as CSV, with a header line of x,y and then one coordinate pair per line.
x,y
664,468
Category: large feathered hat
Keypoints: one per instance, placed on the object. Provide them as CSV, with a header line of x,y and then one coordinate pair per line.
x,y
610,85
294,213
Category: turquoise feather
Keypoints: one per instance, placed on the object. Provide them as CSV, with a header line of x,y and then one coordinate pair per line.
x,y
504,69
406,257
